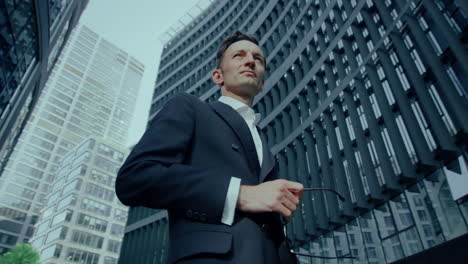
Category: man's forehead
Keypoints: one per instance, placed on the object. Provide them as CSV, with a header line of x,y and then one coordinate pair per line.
x,y
244,45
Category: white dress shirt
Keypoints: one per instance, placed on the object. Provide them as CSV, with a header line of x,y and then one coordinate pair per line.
x,y
251,118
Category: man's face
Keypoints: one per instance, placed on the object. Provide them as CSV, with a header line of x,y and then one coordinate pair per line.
x,y
242,69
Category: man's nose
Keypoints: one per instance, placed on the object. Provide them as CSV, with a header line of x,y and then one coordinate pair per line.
x,y
250,60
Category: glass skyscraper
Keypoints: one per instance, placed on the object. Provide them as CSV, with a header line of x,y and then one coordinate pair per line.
x,y
91,92
32,35
368,98
83,221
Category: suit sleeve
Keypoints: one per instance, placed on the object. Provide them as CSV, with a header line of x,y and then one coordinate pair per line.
x,y
154,174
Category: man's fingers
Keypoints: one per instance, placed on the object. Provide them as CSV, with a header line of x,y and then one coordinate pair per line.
x,y
298,194
289,204
294,186
284,211
291,197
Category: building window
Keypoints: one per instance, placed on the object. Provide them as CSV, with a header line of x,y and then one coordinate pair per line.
x,y
110,260
8,239
64,216
101,177
117,230
52,251
106,164
424,126
362,117
357,155
99,192
96,207
442,110
422,215
454,18
456,82
109,152
87,239
427,231
349,125
120,215
91,222
74,185
375,162
406,139
388,92
81,256
371,253
58,233
82,159
432,39
69,200
114,246
20,191
16,202
13,214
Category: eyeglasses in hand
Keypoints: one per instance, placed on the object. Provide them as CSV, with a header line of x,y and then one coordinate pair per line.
x,y
293,253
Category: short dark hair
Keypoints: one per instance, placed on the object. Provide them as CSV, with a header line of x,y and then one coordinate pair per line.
x,y
229,40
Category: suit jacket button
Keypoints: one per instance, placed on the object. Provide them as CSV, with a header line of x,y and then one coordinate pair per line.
x,y
188,213
235,147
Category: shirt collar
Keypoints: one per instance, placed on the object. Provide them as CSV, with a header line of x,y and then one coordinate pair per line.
x,y
244,110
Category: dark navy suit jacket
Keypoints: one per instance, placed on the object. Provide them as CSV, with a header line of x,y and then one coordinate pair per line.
x,y
184,163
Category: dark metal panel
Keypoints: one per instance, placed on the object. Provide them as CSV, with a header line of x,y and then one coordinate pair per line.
x,y
314,171
389,118
366,169
356,185
454,102
297,218
326,176
303,177
391,181
401,99
443,137
338,170
295,116
304,110
460,52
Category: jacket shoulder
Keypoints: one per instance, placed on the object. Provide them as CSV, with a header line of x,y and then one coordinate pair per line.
x,y
192,99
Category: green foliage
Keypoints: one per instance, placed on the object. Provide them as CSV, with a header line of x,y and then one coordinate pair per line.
x,y
20,254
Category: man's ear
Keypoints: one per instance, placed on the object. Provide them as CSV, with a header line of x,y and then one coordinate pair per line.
x,y
217,77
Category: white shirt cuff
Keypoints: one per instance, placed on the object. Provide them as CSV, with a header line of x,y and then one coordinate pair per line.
x,y
231,201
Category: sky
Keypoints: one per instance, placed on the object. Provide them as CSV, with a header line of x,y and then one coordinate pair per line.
x,y
136,27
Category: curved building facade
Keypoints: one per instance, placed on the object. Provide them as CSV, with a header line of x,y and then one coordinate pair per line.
x,y
364,97
33,34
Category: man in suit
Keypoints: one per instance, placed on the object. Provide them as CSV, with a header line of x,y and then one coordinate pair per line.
x,y
208,166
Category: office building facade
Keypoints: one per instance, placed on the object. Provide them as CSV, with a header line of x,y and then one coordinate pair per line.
x,y
32,35
91,92
83,221
363,97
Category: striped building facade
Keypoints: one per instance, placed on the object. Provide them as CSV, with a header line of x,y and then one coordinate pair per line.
x,y
364,97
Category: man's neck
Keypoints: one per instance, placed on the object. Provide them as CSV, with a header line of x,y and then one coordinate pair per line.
x,y
245,100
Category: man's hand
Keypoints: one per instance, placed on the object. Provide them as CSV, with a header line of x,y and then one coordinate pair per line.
x,y
280,196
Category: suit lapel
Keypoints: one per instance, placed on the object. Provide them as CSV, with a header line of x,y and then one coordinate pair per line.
x,y
268,159
238,125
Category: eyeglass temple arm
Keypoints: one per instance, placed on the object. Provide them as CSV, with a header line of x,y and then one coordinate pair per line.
x,y
322,257
326,189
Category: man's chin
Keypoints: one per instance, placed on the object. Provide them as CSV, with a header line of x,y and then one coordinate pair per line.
x,y
251,89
